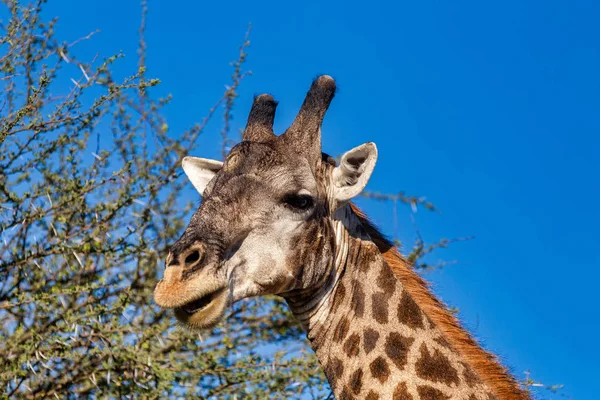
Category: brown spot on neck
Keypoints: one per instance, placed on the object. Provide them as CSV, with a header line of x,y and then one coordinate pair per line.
x,y
379,369
372,396
333,370
379,307
356,381
401,392
429,393
346,395
386,280
435,367
397,347
338,298
443,342
371,338
368,258
352,345
409,313
469,376
358,299
341,330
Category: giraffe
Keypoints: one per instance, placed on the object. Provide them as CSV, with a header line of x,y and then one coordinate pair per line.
x,y
277,218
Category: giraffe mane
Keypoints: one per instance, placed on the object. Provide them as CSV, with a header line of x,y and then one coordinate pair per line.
x,y
485,364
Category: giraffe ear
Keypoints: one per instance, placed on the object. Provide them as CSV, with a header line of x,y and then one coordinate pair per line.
x,y
200,171
353,173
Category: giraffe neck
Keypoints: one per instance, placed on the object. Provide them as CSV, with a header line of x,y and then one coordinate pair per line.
x,y
371,338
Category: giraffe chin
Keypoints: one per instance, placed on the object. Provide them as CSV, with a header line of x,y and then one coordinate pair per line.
x,y
209,312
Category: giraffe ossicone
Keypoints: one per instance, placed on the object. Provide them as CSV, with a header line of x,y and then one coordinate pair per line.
x,y
277,218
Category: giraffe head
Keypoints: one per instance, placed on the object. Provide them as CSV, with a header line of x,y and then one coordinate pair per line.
x,y
264,226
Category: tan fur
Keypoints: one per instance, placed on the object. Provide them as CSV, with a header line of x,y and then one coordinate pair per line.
x,y
489,369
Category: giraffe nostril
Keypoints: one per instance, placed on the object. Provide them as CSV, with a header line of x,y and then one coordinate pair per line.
x,y
192,258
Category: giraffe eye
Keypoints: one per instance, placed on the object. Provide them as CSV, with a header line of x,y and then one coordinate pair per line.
x,y
298,202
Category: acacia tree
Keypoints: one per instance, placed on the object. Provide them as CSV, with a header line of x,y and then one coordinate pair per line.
x,y
90,199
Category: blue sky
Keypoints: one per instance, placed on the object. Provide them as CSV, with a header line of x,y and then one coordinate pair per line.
x,y
490,110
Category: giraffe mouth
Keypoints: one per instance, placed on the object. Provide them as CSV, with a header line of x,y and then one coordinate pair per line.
x,y
204,312
199,304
